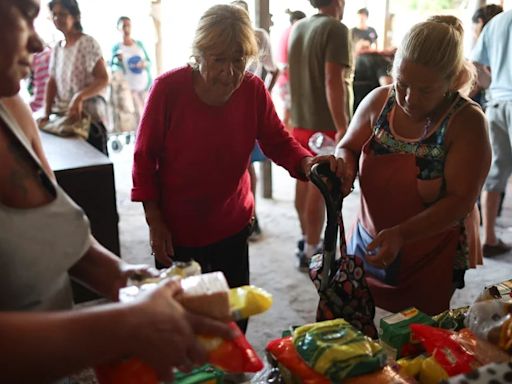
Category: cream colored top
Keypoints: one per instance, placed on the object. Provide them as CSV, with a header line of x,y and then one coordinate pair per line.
x,y
38,246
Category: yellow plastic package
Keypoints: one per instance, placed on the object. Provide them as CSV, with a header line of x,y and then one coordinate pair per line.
x,y
247,301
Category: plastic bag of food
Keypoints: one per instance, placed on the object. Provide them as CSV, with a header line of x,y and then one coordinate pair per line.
x,y
206,294
441,344
247,301
452,318
128,371
283,350
235,355
386,375
337,350
492,321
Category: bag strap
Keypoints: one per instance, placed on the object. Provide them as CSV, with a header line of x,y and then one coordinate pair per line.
x,y
330,187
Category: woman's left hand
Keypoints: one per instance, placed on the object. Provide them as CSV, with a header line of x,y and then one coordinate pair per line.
x,y
383,250
336,164
75,107
137,272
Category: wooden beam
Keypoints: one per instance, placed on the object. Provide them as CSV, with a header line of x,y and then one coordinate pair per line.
x,y
262,14
388,25
156,15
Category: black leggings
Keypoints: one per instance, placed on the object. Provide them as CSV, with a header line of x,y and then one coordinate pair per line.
x,y
230,256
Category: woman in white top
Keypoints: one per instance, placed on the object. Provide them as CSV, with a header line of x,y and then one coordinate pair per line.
x,y
45,240
78,74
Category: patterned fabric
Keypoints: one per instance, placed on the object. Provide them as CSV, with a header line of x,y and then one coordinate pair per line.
x,y
430,152
71,67
430,155
346,294
40,76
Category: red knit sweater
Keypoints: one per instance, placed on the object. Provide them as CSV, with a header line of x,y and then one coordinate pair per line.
x,y
192,157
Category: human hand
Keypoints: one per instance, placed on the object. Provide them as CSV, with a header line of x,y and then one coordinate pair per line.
x,y
134,272
165,334
336,165
75,107
383,250
41,122
161,242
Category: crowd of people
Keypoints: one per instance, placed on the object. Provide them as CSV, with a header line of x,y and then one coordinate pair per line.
x,y
409,142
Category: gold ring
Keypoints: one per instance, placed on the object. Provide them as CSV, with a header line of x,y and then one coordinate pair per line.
x,y
384,263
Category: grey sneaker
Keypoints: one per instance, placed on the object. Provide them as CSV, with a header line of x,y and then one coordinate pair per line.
x,y
303,262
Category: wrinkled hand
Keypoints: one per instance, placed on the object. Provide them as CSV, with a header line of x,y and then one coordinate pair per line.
x,y
383,250
165,331
75,107
336,164
161,243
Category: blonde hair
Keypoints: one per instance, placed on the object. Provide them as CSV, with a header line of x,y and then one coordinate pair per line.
x,y
438,44
224,28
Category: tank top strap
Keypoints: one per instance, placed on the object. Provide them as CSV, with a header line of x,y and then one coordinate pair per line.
x,y
438,137
382,122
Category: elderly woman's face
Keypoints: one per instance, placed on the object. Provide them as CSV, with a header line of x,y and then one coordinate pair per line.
x,y
223,71
18,41
419,90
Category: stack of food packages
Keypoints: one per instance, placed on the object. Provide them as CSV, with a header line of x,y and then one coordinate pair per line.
x,y
209,295
455,346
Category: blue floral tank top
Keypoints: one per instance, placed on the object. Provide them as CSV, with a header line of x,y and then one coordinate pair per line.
x,y
430,152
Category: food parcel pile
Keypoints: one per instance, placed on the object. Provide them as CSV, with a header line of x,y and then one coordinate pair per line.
x,y
343,346
463,345
207,294
411,347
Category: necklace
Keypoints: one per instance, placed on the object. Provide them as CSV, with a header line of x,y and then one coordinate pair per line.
x,y
426,127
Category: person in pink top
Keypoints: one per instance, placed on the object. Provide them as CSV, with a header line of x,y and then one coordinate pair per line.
x,y
196,135
40,76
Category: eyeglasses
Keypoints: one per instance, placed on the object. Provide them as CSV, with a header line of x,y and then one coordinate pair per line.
x,y
221,62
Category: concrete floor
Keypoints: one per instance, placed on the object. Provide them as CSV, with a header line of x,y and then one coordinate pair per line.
x,y
273,264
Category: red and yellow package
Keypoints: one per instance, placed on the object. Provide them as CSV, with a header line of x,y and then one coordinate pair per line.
x,y
235,355
285,353
130,371
441,344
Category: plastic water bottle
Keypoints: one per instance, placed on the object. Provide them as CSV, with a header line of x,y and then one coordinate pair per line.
x,y
321,144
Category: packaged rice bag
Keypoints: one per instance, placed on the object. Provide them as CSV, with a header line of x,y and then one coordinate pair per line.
x,y
337,350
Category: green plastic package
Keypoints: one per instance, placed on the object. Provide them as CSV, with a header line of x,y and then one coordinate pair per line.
x,y
337,350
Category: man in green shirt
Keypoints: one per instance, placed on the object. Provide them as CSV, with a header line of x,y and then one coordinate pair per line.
x,y
319,56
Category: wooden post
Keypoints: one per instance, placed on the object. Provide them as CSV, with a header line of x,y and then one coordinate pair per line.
x,y
263,14
156,15
388,25
263,21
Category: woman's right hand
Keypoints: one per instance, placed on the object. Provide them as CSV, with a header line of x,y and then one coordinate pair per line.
x,y
165,333
41,122
160,240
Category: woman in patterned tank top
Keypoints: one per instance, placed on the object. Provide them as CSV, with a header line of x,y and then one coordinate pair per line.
x,y
421,152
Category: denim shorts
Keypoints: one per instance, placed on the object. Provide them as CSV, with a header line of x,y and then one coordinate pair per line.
x,y
499,116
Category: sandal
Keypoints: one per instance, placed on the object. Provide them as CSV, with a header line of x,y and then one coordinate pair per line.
x,y
494,250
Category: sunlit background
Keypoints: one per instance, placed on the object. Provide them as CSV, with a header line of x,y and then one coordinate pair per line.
x,y
179,19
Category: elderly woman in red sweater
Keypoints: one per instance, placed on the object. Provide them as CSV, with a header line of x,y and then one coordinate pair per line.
x,y
194,145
